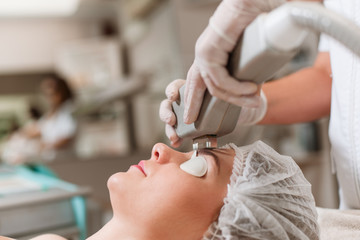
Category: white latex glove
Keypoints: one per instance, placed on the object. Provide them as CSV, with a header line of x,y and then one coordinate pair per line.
x,y
212,53
166,113
250,115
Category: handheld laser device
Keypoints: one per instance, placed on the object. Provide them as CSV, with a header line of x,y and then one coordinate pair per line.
x,y
266,45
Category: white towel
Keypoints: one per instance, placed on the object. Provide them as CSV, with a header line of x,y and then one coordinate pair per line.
x,y
339,224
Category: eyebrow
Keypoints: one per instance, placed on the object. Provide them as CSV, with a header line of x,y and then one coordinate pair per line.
x,y
214,156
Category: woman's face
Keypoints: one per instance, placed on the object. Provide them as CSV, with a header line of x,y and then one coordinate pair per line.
x,y
53,97
163,198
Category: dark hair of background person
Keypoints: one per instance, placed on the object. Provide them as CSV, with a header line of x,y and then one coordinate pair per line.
x,y
62,87
34,112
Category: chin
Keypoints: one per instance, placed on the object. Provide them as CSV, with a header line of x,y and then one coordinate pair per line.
x,y
116,184
115,181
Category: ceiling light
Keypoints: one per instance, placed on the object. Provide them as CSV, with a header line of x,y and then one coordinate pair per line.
x,y
37,8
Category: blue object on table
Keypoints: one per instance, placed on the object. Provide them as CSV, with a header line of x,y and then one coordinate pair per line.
x,y
44,177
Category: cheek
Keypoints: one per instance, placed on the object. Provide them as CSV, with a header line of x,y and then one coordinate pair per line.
x,y
191,197
210,199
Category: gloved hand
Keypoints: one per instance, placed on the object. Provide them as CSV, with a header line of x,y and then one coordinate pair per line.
x,y
248,115
212,53
166,113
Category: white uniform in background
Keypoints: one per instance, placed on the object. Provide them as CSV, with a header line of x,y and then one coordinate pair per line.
x,y
344,130
60,125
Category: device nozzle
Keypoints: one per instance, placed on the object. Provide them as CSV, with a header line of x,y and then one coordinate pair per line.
x,y
208,141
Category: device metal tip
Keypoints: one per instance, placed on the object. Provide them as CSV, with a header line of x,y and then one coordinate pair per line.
x,y
208,141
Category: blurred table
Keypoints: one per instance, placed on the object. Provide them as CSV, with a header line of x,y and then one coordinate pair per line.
x,y
32,203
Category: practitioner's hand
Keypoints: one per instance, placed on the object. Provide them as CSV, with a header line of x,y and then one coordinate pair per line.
x,y
212,54
166,113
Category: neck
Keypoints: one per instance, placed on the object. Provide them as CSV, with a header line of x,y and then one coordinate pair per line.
x,y
116,229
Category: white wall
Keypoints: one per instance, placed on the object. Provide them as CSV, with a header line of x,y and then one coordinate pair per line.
x,y
28,45
154,56
191,20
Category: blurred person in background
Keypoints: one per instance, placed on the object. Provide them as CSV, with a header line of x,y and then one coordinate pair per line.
x,y
55,130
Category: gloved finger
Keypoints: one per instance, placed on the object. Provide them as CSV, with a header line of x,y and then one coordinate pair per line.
x,y
177,143
170,132
193,75
172,90
166,113
218,80
194,94
250,101
239,98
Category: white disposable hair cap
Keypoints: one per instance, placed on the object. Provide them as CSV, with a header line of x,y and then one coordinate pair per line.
x,y
268,198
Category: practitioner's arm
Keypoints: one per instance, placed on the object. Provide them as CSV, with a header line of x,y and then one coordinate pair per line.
x,y
300,97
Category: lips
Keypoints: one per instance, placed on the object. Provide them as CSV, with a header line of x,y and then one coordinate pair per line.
x,y
140,166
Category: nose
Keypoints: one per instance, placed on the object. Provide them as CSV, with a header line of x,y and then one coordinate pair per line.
x,y
164,154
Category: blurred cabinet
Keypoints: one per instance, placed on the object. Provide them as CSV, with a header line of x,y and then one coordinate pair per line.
x,y
104,132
